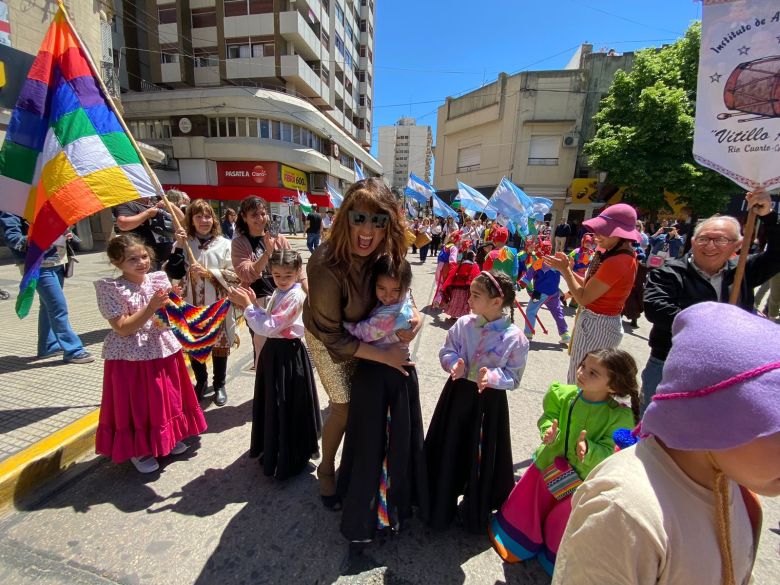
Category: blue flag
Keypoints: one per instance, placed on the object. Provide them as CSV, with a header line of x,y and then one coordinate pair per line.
x,y
511,201
419,190
359,176
335,197
410,210
541,206
473,200
441,209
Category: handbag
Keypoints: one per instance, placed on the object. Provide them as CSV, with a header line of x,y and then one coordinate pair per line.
x,y
561,478
70,265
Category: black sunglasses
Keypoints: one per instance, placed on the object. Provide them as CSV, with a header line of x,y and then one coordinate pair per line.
x,y
378,220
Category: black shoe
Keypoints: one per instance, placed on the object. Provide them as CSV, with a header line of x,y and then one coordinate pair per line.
x,y
634,324
332,503
220,396
201,389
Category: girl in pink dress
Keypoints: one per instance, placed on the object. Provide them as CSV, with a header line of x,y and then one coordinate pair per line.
x,y
148,404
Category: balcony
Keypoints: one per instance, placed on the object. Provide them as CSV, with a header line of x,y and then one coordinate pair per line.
x,y
364,137
295,69
168,33
294,28
250,67
207,75
110,77
250,25
170,72
365,88
204,37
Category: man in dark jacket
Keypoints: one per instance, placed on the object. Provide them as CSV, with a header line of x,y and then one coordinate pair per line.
x,y
706,273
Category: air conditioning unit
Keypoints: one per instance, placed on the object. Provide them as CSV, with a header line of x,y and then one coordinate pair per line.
x,y
571,140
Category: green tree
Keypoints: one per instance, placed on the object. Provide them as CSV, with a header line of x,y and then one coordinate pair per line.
x,y
644,131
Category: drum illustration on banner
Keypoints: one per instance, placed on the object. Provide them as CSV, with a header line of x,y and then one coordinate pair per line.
x,y
737,130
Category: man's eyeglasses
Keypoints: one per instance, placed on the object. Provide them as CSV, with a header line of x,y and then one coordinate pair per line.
x,y
378,220
720,242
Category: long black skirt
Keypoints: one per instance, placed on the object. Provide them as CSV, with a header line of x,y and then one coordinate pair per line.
x,y
469,453
286,422
375,389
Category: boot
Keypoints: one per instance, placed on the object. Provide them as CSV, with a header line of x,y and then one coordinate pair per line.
x,y
201,378
220,373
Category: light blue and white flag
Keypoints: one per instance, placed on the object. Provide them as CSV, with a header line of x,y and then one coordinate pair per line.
x,y
473,200
335,197
511,201
410,209
303,201
540,207
419,190
441,209
359,176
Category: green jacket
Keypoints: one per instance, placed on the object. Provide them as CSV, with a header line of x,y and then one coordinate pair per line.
x,y
600,419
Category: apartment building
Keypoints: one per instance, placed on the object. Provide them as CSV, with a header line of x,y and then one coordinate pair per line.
x,y
529,127
405,148
255,97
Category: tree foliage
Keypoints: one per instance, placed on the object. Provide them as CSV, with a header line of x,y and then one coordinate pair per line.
x,y
644,131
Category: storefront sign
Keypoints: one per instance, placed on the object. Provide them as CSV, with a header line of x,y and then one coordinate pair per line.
x,y
248,173
294,179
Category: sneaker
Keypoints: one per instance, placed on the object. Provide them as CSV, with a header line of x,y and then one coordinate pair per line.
x,y
566,338
529,336
146,464
83,357
179,448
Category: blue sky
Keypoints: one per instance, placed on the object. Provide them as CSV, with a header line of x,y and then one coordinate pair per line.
x,y
428,50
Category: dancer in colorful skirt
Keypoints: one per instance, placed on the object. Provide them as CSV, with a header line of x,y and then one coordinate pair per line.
x,y
149,405
577,430
455,291
468,446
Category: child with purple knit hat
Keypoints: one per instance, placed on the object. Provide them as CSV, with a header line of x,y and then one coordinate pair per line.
x,y
679,507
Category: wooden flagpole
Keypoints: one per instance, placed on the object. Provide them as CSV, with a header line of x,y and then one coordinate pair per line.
x,y
155,180
747,241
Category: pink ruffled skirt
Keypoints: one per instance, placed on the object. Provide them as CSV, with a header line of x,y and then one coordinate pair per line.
x,y
147,407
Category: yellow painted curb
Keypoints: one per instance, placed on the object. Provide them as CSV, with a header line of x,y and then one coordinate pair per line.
x,y
46,458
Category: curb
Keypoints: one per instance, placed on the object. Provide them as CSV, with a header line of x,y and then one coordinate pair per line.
x,y
46,459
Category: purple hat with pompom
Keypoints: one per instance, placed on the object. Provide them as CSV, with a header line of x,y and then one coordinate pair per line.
x,y
721,382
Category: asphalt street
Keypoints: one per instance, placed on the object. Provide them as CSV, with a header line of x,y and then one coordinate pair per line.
x,y
211,517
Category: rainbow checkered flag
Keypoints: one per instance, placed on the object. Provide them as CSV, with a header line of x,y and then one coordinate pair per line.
x,y
66,155
196,328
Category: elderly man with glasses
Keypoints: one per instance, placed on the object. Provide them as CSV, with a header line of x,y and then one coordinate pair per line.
x,y
706,273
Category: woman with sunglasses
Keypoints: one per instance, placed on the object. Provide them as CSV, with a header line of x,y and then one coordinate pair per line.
x,y
367,226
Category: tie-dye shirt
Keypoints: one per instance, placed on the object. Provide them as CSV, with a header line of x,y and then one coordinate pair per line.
x,y
383,322
282,316
499,346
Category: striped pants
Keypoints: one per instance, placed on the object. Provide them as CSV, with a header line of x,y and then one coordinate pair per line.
x,y
591,332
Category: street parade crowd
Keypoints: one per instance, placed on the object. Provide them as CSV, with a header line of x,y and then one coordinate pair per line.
x,y
631,480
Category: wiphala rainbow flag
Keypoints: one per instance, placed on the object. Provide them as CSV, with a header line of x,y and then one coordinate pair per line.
x,y
196,328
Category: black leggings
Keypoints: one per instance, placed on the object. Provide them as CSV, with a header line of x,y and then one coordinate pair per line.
x,y
220,370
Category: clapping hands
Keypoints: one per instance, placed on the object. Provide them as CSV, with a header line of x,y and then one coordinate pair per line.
x,y
458,370
551,434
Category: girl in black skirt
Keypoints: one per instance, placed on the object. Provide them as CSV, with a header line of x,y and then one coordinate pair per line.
x,y
468,446
286,421
383,472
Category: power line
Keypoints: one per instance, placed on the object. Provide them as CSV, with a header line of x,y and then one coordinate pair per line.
x,y
626,19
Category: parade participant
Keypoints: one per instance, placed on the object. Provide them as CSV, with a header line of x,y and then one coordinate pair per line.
x,y
382,472
55,333
606,285
423,234
706,273
679,507
581,257
468,445
576,429
204,284
251,247
229,223
546,291
455,290
436,235
502,258
149,405
369,225
483,249
448,257
286,420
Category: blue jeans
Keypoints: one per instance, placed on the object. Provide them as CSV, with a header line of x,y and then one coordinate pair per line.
x,y
54,330
312,241
651,377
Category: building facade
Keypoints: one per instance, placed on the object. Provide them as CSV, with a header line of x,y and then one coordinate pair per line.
x,y
405,148
251,96
529,127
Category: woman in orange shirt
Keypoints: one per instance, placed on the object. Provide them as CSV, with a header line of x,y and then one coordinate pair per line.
x,y
606,286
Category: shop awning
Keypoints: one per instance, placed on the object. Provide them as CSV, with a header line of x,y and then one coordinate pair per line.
x,y
237,193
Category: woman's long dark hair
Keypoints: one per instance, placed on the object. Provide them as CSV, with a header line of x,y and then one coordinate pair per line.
x,y
248,204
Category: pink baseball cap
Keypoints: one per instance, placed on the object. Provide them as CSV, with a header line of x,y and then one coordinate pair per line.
x,y
617,220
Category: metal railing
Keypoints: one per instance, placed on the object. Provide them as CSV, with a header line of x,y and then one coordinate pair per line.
x,y
110,76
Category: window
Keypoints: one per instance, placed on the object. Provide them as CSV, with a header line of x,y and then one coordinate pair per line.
x,y
286,132
469,158
166,57
370,55
325,4
363,25
241,126
339,13
275,130
339,44
265,129
370,30
204,17
167,14
348,32
253,127
361,76
363,50
348,86
236,8
238,51
206,57
543,150
368,78
213,132
261,6
222,126
347,59
325,74
264,49
325,40
296,134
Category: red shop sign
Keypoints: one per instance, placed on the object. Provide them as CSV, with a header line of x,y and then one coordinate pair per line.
x,y
264,174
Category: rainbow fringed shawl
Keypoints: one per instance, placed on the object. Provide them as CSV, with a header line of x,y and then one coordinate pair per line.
x,y
196,328
66,155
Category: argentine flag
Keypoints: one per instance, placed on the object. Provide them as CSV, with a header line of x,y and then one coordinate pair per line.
x,y
410,211
359,176
419,190
441,209
473,200
335,197
511,201
541,206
